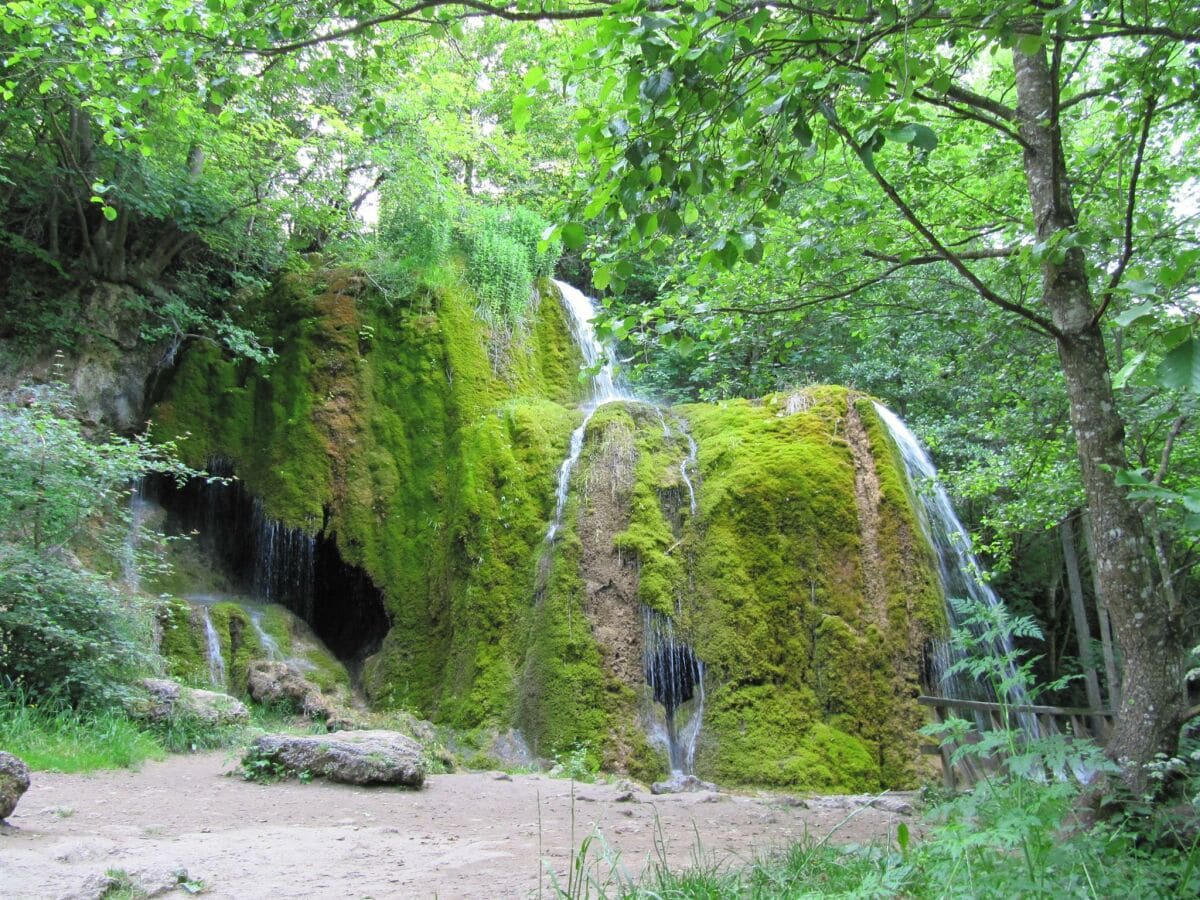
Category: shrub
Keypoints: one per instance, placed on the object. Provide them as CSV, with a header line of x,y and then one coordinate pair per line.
x,y
65,631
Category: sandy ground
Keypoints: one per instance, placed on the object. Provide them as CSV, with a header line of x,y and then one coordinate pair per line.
x,y
465,835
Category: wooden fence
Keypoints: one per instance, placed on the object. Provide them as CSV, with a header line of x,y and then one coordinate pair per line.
x,y
1073,721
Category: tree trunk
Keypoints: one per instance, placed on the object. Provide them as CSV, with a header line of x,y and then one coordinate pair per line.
x,y
1083,634
1112,674
1150,715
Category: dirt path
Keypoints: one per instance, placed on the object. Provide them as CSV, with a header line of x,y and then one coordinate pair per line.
x,y
465,835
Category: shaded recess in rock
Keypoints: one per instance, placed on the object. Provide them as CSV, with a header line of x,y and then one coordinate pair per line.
x,y
276,564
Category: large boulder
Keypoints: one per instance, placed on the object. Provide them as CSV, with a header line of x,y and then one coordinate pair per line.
x,y
14,781
169,700
351,757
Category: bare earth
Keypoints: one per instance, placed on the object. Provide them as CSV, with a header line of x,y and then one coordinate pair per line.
x,y
464,835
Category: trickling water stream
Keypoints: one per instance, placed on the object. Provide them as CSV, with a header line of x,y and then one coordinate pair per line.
x,y
269,644
689,462
958,567
672,671
216,662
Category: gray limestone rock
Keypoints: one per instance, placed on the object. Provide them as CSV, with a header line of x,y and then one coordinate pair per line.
x,y
168,700
352,757
14,781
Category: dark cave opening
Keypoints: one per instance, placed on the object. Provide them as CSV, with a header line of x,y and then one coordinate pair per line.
x,y
276,564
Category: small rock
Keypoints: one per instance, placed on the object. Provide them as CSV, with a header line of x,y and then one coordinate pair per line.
x,y
626,797
503,776
679,783
893,805
351,757
14,781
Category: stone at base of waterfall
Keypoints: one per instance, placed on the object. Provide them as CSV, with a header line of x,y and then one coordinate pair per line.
x,y
170,700
679,783
14,781
273,682
351,757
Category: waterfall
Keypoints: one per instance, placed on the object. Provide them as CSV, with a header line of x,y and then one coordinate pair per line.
x,y
959,569
675,676
672,671
284,564
269,644
605,388
689,462
138,506
216,662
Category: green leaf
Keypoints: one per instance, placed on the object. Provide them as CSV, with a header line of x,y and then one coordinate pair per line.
x,y
1136,313
1181,367
110,212
655,87
921,136
1127,370
535,77
573,236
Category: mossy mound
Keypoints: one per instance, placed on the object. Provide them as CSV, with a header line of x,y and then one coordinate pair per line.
x,y
429,448
243,630
815,679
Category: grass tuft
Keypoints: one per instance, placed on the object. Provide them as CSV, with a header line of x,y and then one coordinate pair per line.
x,y
57,738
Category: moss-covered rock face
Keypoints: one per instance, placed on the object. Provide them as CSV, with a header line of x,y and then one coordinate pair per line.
x,y
813,595
429,449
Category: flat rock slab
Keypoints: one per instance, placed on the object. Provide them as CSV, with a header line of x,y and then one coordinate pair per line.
x,y
351,757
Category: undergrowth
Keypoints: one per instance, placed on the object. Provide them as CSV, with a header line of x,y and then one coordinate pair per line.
x,y
1013,834
54,737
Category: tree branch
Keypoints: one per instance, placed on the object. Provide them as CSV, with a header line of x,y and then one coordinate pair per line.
x,y
942,250
1130,204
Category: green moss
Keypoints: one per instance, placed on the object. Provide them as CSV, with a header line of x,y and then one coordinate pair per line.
x,y
773,734
181,644
812,693
430,456
651,536
239,643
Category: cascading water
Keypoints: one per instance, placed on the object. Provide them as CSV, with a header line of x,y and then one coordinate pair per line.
x,y
138,508
269,562
689,462
958,568
269,644
216,662
606,388
672,671
285,564
675,676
